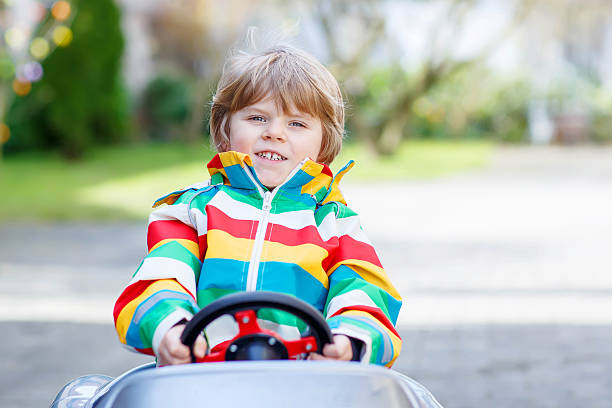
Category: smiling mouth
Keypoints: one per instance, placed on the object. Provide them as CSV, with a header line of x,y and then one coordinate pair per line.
x,y
271,156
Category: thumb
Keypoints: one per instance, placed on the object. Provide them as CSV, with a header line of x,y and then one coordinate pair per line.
x,y
200,346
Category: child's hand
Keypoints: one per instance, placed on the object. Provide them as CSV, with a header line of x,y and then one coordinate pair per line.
x,y
340,349
172,351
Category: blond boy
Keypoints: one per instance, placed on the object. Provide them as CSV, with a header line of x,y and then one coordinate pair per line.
x,y
271,218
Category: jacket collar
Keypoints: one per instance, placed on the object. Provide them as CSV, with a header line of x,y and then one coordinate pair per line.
x,y
309,177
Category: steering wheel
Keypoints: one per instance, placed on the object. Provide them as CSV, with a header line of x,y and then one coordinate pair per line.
x,y
253,342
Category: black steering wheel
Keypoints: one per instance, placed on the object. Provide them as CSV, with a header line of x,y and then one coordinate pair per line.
x,y
252,342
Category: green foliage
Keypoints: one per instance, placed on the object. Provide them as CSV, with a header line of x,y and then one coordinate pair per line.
x,y
372,96
121,182
416,159
472,104
601,129
80,102
165,107
115,182
600,105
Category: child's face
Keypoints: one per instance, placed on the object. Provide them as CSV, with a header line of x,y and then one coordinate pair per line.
x,y
277,141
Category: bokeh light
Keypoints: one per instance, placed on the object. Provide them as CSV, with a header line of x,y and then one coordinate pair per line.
x,y
32,71
20,74
7,68
15,38
62,36
40,11
39,48
5,133
21,88
61,10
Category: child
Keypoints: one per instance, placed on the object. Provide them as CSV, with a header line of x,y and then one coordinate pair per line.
x,y
271,218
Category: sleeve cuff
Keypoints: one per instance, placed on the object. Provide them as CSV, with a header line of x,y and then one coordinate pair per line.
x,y
361,336
166,324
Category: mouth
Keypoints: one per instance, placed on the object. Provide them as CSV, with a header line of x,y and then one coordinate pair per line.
x,y
273,156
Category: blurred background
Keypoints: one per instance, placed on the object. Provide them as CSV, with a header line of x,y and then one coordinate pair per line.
x,y
486,124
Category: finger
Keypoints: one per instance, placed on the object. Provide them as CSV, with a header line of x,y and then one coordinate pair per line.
x,y
165,358
331,351
343,347
178,350
176,356
200,346
317,356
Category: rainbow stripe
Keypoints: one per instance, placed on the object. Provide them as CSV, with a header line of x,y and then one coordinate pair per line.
x,y
201,245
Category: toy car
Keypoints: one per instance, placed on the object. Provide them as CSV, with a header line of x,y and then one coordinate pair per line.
x,y
254,369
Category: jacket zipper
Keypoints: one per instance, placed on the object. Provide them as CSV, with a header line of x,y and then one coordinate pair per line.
x,y
258,243
262,227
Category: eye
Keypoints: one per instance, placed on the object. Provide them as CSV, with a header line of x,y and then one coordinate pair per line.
x,y
297,124
257,118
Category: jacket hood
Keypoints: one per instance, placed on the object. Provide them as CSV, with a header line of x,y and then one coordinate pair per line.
x,y
309,177
236,169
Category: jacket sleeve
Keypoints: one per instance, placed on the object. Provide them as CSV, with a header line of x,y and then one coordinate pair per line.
x,y
162,291
362,303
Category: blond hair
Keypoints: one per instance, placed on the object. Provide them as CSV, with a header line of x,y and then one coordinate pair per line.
x,y
294,79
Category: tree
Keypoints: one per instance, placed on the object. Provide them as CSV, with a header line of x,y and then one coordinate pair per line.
x,y
383,132
80,101
31,31
193,37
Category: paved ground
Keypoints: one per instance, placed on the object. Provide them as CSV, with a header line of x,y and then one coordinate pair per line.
x,y
506,275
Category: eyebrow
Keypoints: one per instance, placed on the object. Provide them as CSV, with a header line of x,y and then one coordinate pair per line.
x,y
297,114
251,109
302,115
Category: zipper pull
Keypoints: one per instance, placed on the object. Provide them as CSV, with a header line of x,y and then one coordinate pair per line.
x,y
267,201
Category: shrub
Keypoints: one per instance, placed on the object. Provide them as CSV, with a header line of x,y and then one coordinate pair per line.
x,y
165,108
80,100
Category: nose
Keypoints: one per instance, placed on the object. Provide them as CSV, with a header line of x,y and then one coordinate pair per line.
x,y
275,131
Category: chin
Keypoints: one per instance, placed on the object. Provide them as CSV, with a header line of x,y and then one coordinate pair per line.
x,y
270,184
274,181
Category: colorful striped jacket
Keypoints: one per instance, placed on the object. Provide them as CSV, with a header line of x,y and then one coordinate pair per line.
x,y
232,234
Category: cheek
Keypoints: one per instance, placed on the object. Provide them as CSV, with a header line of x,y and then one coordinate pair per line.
x,y
238,138
314,153
316,146
232,144
319,143
241,142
